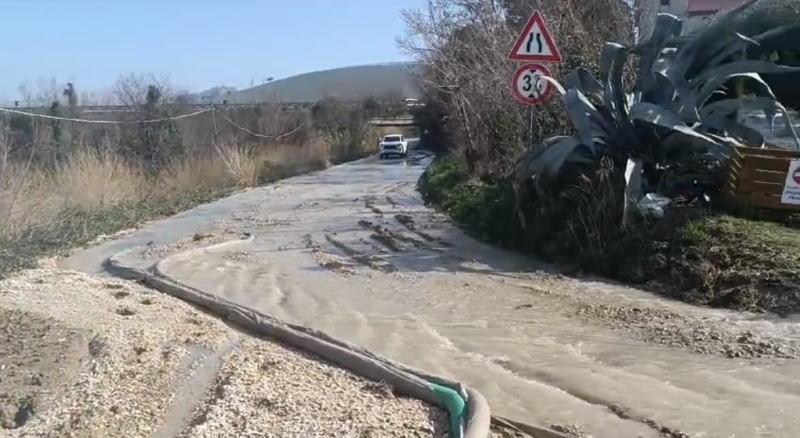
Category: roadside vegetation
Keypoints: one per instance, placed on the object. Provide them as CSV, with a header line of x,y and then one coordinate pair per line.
x,y
64,184
566,197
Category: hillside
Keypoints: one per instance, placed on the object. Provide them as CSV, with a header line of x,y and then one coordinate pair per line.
x,y
348,83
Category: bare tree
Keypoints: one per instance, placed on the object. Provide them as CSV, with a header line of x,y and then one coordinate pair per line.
x,y
184,97
44,93
105,97
48,91
464,43
132,89
644,12
26,94
86,98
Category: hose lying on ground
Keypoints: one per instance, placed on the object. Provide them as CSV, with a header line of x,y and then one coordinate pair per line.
x,y
469,412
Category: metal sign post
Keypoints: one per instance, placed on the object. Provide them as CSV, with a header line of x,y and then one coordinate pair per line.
x,y
534,45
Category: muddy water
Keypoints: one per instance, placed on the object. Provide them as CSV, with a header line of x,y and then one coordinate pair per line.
x,y
352,251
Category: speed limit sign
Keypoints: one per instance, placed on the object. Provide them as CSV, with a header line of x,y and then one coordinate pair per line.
x,y
528,85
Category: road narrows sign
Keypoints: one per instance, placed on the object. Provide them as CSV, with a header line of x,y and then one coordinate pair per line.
x,y
529,88
534,43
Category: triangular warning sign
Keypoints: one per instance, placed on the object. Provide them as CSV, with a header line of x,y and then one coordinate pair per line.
x,y
535,43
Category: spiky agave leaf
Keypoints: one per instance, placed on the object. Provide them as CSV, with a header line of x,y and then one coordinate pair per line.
x,y
671,124
596,129
649,52
764,101
546,160
585,117
711,79
612,63
777,33
707,60
667,119
633,186
705,44
585,81
730,106
675,91
736,44
723,123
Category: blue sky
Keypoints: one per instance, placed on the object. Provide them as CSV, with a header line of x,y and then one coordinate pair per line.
x,y
197,43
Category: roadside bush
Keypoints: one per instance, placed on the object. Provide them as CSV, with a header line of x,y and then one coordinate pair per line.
x,y
565,198
429,119
696,255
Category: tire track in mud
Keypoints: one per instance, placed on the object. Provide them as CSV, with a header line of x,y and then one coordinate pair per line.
x,y
361,258
279,293
191,391
406,221
369,203
375,246
391,239
409,223
340,264
328,260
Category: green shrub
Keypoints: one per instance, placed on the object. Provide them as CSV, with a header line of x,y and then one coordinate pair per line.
x,y
694,254
666,123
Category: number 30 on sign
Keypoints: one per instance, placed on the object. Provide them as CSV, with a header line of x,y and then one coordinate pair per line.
x,y
528,85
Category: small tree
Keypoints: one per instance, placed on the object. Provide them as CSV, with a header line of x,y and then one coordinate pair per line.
x,y
55,125
72,110
371,106
155,139
72,99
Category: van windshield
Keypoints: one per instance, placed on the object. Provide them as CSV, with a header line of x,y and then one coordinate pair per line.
x,y
392,138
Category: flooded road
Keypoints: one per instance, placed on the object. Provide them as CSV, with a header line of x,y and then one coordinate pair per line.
x,y
354,252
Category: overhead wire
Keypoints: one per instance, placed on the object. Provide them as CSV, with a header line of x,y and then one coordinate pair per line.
x,y
212,110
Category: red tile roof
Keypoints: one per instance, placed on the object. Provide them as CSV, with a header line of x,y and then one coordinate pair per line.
x,y
700,6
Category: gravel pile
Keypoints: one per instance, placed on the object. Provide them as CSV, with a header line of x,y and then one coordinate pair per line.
x,y
263,389
82,356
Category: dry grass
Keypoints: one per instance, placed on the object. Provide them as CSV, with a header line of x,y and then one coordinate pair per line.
x,y
64,185
91,181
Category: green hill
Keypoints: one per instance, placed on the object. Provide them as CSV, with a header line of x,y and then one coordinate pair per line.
x,y
348,84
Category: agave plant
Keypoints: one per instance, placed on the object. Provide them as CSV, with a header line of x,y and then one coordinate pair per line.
x,y
669,121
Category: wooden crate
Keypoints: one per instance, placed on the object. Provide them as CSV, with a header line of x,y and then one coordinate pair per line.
x,y
755,178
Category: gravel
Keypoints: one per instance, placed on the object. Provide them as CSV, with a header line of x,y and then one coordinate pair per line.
x,y
664,327
263,389
83,356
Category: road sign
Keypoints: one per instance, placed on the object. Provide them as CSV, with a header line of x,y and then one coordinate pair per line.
x,y
529,88
791,189
534,43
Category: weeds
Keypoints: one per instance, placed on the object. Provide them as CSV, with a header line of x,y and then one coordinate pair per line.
x,y
52,202
695,255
